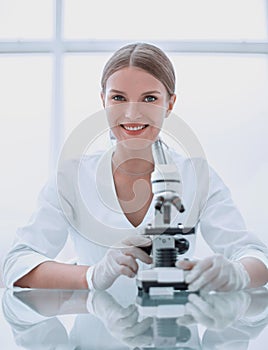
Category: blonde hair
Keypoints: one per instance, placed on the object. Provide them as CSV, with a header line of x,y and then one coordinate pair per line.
x,y
145,56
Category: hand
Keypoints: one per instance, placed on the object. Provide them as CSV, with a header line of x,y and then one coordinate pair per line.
x,y
119,260
215,311
121,322
215,273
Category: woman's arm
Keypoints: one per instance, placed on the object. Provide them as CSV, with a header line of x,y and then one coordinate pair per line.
x,y
51,274
120,260
37,242
256,270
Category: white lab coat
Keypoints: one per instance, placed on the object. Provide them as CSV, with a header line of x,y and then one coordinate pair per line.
x,y
87,208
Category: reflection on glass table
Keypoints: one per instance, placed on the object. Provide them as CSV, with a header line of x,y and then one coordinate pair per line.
x,y
101,321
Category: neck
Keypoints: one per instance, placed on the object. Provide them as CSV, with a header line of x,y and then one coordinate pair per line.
x,y
133,162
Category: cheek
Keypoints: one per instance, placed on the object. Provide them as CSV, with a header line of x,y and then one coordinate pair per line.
x,y
114,115
154,132
116,132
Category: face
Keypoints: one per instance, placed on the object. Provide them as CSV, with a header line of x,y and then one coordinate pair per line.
x,y
136,104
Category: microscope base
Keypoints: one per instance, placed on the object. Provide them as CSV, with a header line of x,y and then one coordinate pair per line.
x,y
161,277
146,285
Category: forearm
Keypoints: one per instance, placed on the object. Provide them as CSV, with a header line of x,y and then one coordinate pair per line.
x,y
55,275
257,271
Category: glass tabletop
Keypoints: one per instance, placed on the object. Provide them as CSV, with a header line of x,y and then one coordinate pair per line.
x,y
67,319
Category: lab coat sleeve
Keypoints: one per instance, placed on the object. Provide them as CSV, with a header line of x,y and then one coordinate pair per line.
x,y
223,227
40,240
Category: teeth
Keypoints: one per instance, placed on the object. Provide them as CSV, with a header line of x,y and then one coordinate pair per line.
x,y
134,128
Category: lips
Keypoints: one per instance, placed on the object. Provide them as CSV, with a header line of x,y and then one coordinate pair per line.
x,y
134,128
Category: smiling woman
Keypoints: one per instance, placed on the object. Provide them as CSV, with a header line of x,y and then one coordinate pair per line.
x,y
139,108
136,101
131,112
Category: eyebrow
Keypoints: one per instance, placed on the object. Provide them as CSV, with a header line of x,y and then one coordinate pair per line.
x,y
145,93
151,92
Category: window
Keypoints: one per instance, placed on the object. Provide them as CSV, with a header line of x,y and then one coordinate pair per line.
x,y
172,20
26,19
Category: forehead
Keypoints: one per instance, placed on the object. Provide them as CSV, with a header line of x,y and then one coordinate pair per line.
x,y
130,78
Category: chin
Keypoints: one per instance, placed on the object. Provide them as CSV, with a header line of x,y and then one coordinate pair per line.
x,y
135,143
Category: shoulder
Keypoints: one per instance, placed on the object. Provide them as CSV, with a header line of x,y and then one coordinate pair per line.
x,y
186,164
83,162
197,172
92,159
74,171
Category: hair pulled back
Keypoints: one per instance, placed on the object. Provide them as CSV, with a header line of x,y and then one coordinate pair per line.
x,y
144,56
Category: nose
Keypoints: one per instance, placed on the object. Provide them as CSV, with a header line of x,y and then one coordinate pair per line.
x,y
132,111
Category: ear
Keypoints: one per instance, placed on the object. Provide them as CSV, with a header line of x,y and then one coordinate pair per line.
x,y
171,103
102,95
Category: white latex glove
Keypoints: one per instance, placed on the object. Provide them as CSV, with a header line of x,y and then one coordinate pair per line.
x,y
216,273
215,311
118,260
121,322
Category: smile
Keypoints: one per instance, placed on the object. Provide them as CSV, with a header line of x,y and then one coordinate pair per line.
x,y
134,127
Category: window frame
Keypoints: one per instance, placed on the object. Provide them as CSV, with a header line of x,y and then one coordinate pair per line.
x,y
58,47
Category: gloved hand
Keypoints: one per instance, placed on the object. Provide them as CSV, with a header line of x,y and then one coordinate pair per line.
x,y
215,273
121,322
215,311
118,260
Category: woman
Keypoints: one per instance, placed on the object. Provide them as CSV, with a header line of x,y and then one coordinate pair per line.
x,y
138,92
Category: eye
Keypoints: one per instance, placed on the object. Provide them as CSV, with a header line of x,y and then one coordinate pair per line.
x,y
150,99
118,98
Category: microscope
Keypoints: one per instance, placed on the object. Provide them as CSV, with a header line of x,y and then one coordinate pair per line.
x,y
167,242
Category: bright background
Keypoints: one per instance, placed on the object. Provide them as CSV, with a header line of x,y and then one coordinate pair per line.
x,y
51,57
